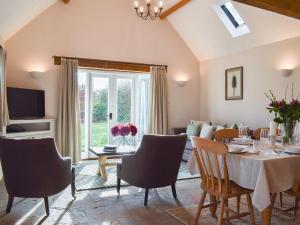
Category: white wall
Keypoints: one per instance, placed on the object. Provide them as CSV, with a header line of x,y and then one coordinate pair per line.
x,y
261,74
103,29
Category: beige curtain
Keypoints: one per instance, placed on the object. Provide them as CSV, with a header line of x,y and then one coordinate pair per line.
x,y
68,126
4,116
158,119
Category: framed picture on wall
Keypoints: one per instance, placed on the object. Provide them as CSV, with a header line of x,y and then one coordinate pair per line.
x,y
234,83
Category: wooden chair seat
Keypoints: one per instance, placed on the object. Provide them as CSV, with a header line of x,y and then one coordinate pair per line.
x,y
235,189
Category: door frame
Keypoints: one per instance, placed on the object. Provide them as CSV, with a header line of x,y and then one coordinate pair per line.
x,y
112,77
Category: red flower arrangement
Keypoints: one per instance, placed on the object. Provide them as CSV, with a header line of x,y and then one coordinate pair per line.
x,y
124,130
286,113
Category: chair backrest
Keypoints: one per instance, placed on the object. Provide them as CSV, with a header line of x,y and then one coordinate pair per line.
x,y
27,164
256,133
226,135
212,164
160,158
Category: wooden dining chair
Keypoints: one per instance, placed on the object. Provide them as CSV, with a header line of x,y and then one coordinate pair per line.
x,y
212,164
226,135
294,192
256,133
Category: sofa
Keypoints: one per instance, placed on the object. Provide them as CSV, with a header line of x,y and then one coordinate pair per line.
x,y
203,129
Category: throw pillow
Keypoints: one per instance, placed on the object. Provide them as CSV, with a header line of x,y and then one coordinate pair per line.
x,y
207,131
193,130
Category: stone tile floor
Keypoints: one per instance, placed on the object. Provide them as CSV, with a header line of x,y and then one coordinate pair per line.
x,y
102,207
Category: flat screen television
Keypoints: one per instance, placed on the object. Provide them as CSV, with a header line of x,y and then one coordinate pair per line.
x,y
25,103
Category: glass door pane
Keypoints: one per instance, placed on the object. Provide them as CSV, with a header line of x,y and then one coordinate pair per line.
x,y
99,112
83,98
124,100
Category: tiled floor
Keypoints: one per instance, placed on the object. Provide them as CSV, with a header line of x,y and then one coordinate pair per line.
x,y
102,207
105,207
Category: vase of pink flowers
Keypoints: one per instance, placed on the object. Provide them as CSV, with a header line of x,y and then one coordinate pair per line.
x,y
124,134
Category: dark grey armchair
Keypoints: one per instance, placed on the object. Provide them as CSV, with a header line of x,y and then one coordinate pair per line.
x,y
155,164
34,169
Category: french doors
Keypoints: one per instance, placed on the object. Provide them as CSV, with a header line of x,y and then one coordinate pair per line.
x,y
107,99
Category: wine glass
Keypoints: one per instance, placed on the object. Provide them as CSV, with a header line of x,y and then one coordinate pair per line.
x,y
264,136
297,134
243,131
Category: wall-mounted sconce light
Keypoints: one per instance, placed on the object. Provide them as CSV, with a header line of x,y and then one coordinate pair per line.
x,y
181,83
36,74
286,72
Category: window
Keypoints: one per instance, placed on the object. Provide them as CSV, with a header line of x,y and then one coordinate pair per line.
x,y
110,98
231,18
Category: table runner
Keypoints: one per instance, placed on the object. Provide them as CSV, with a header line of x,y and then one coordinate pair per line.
x,y
265,173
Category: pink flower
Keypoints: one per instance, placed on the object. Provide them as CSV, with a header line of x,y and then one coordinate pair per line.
x,y
115,130
124,130
133,129
294,102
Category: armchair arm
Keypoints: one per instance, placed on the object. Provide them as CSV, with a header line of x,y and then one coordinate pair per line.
x,y
178,130
128,166
63,171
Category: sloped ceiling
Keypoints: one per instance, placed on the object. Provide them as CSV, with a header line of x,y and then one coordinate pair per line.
x,y
197,24
15,14
200,27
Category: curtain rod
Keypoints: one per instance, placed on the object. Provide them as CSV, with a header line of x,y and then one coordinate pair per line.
x,y
109,61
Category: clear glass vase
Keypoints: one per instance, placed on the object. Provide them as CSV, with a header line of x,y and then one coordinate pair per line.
x,y
288,134
123,141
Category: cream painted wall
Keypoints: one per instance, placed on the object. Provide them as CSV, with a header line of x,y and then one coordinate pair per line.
x,y
261,74
106,29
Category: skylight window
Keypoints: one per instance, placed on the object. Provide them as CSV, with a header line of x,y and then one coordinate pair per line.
x,y
231,18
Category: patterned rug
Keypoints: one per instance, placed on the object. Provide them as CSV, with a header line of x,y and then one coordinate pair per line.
x,y
88,179
187,215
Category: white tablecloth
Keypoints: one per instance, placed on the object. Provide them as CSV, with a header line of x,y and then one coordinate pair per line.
x,y
264,173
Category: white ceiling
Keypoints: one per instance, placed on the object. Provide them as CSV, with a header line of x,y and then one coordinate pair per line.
x,y
14,14
200,27
197,24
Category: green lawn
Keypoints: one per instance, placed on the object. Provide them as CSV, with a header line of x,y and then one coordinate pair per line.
x,y
99,134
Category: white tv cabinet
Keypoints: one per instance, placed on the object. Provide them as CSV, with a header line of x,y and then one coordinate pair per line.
x,y
35,128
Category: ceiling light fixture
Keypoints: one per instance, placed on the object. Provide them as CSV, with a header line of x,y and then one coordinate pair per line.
x,y
147,11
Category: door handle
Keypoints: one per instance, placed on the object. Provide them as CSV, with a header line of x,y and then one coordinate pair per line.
x,y
110,116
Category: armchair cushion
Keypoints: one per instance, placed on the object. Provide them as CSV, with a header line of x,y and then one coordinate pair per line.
x,y
193,129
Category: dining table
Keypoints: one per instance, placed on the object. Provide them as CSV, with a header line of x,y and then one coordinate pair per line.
x,y
265,172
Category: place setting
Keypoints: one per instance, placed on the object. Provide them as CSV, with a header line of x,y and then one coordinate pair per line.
x,y
271,141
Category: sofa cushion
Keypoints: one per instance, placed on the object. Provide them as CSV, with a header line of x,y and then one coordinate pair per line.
x,y
193,129
207,131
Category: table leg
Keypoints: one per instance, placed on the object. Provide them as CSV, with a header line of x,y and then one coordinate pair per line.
x,y
213,208
102,164
266,216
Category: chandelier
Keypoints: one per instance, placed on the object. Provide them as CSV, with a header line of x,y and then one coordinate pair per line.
x,y
148,11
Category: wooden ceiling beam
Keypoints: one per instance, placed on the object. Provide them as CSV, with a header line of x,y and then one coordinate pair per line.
x,y
174,8
289,8
66,1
